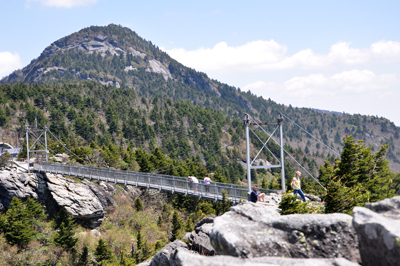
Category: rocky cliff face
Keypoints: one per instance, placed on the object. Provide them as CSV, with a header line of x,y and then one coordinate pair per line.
x,y
86,201
252,234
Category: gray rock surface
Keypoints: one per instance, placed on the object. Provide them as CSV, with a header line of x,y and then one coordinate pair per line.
x,y
184,258
253,230
201,243
379,236
387,207
165,257
22,186
199,239
84,200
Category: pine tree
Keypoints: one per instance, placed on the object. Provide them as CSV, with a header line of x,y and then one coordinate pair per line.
x,y
138,204
176,226
65,235
35,210
264,183
83,259
18,224
139,243
359,176
224,205
103,251
23,153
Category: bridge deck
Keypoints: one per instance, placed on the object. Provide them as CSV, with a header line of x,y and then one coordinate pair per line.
x,y
173,184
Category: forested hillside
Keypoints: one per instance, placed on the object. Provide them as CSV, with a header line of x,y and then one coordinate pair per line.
x,y
130,66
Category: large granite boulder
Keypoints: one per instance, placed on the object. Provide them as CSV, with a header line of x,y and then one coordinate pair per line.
x,y
387,207
379,236
199,239
85,201
184,258
165,257
22,186
252,230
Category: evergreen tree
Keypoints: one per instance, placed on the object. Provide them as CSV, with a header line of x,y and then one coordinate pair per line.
x,y
224,205
139,243
18,224
83,259
176,226
138,204
65,235
264,183
359,176
23,153
102,252
35,210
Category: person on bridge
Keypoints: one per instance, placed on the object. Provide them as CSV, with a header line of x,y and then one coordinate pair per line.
x,y
207,182
195,182
296,186
254,196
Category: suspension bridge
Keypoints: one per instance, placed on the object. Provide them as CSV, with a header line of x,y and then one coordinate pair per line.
x,y
174,184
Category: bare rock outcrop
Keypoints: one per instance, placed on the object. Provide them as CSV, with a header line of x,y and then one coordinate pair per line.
x,y
86,201
184,258
165,257
252,230
388,207
379,233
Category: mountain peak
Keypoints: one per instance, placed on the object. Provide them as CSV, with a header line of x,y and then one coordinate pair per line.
x,y
111,55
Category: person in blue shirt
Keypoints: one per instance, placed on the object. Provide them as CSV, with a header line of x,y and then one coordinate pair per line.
x,y
254,196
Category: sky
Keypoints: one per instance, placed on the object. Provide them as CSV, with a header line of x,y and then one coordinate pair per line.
x,y
333,55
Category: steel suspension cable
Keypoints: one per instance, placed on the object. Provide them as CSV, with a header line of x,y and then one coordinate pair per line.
x,y
37,139
312,135
289,154
69,149
304,169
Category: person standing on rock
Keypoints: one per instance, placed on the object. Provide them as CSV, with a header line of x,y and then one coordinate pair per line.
x,y
254,196
195,182
296,186
207,182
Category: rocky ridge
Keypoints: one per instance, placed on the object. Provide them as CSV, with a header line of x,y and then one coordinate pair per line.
x,y
253,234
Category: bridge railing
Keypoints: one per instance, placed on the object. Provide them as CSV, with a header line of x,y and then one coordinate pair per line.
x,y
162,182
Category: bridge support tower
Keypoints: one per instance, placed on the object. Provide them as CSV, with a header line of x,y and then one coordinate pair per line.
x,y
249,121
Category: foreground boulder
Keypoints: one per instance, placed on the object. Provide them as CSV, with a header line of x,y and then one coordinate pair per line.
x,y
252,230
184,258
379,235
199,239
165,257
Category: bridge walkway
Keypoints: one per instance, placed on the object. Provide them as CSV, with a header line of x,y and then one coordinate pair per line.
x,y
173,184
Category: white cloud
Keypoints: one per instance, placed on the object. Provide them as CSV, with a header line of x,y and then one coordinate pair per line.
x,y
9,62
355,91
261,55
64,3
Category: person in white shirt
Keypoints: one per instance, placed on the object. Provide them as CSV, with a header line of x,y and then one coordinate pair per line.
x,y
207,182
195,182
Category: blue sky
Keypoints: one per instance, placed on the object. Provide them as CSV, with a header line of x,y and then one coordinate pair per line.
x,y
337,55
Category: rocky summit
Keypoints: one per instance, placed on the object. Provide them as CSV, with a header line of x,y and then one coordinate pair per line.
x,y
253,234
